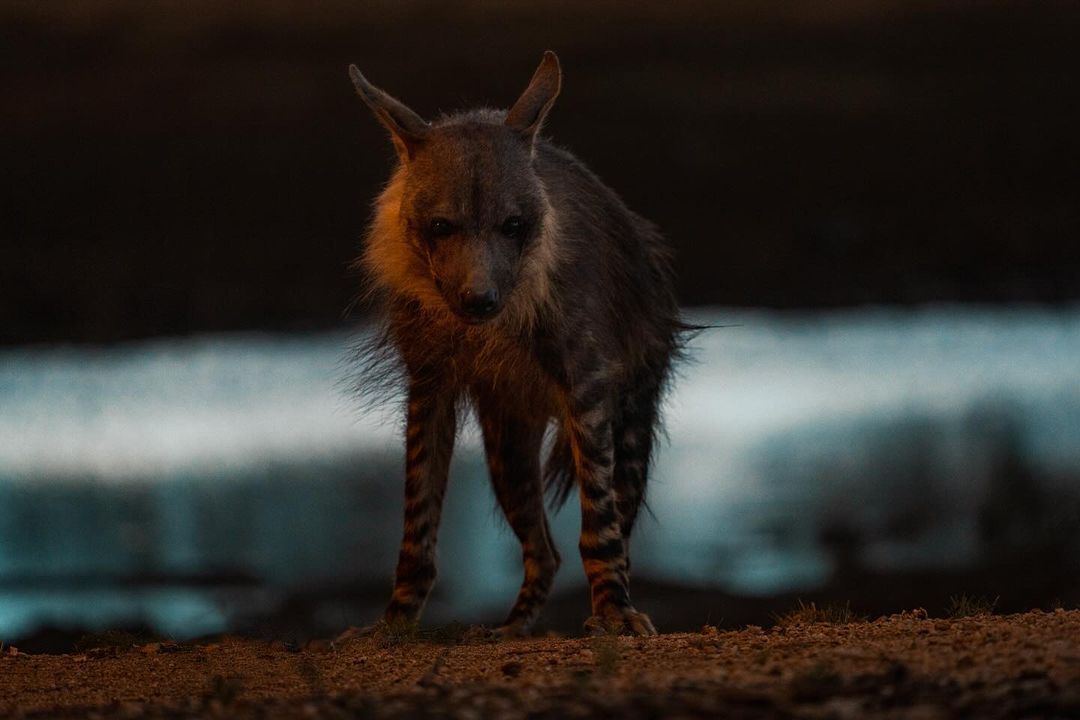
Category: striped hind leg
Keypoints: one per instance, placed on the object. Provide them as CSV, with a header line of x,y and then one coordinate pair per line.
x,y
513,455
633,435
429,442
603,544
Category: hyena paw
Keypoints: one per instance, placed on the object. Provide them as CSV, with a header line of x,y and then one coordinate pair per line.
x,y
620,621
514,629
389,629
480,635
353,632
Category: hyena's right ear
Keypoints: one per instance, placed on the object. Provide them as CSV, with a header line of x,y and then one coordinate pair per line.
x,y
532,107
407,129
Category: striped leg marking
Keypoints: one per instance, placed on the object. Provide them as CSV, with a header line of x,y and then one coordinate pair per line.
x,y
602,544
513,456
633,437
429,442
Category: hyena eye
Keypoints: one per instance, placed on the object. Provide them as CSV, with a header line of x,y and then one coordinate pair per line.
x,y
441,227
514,227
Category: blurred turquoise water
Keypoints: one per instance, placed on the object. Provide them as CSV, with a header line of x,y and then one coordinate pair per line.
x,y
249,455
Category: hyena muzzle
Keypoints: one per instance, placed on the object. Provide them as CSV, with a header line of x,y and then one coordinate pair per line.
x,y
511,280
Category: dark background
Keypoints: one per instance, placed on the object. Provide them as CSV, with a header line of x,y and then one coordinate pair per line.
x,y
183,167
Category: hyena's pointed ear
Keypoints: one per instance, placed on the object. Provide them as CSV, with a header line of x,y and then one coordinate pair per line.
x,y
532,107
407,129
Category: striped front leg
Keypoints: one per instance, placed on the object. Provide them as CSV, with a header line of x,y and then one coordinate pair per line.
x,y
603,550
513,446
429,442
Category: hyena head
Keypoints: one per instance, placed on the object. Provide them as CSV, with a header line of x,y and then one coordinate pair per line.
x,y
461,223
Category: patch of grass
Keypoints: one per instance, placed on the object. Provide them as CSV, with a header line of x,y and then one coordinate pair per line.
x,y
963,605
401,632
810,613
608,654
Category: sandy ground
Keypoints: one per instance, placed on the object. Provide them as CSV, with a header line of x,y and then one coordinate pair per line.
x,y
902,666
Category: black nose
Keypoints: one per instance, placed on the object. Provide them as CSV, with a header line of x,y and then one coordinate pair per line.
x,y
480,305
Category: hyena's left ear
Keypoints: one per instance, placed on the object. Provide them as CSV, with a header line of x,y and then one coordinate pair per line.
x,y
532,107
407,129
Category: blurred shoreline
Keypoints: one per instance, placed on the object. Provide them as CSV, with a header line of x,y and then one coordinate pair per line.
x,y
887,458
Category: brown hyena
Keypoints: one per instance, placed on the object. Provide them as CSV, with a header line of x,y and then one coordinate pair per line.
x,y
512,280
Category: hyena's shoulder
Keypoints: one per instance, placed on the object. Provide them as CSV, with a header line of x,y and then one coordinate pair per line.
x,y
592,212
617,281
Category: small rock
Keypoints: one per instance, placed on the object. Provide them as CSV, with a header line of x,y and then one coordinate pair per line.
x,y
109,651
511,669
318,646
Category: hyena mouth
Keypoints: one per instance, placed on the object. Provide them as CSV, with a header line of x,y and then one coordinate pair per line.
x,y
470,319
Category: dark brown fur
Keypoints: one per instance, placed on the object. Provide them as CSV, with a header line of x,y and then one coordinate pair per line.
x,y
514,282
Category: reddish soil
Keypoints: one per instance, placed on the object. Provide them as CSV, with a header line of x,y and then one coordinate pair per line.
x,y
902,666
